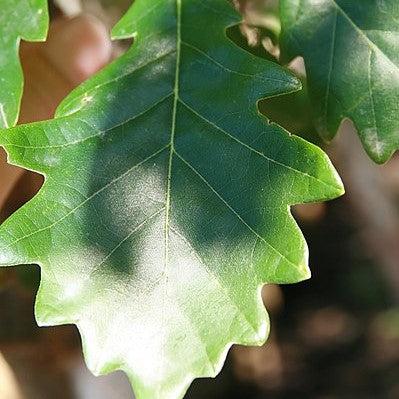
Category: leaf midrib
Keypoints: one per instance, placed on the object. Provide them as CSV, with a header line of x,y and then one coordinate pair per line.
x,y
169,180
177,100
173,133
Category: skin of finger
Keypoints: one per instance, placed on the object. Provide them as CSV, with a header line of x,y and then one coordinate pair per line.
x,y
9,386
76,48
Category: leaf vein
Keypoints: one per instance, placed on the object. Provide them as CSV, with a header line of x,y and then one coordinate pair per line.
x,y
72,211
233,210
251,148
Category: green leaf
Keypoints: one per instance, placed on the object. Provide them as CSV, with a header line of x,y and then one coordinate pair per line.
x,y
351,52
27,20
166,201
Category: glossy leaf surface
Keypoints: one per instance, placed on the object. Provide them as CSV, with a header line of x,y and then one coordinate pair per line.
x,y
27,20
351,52
166,201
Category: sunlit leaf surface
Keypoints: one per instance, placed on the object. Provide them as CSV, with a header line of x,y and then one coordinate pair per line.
x,y
166,201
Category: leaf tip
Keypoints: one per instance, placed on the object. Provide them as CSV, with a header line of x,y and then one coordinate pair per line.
x,y
378,151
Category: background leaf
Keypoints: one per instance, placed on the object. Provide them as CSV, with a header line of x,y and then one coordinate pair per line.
x,y
26,20
166,201
351,52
